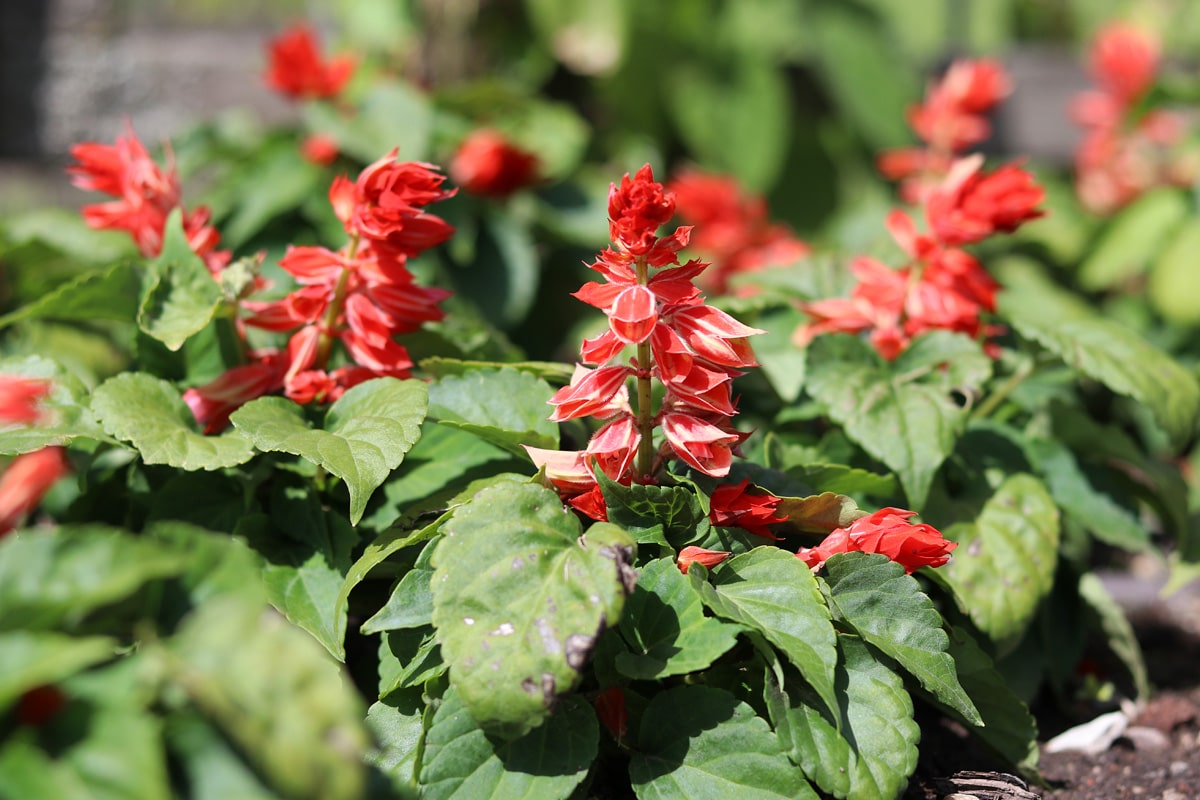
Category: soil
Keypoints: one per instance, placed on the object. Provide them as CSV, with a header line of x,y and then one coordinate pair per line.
x,y
1156,758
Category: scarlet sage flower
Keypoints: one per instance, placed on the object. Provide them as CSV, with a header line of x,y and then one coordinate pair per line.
x,y
971,205
212,403
731,505
26,480
889,532
146,195
297,69
320,149
699,555
19,399
692,349
488,165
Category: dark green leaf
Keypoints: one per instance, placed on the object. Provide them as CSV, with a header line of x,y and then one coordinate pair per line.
x,y
1121,638
109,293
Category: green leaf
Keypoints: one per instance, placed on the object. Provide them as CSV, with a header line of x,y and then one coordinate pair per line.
x,y
1005,560
782,362
842,479
122,756
409,606
213,769
65,412
408,658
889,611
35,658
502,406
150,414
384,546
179,295
398,725
518,601
900,412
876,750
1122,640
1174,287
773,592
306,557
56,578
665,626
376,127
588,38
1092,508
651,513
734,114
697,741
1134,236
865,74
441,367
108,293
502,278
546,763
272,691
278,180
1008,728
1109,353
367,432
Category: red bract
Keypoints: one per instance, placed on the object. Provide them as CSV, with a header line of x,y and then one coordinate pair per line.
x,y
699,555
296,68
889,532
26,480
1124,61
971,205
212,403
146,194
610,710
487,164
732,228
637,208
386,204
19,399
732,506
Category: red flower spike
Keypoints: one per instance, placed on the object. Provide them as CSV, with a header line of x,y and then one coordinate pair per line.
x,y
19,399
25,481
296,68
971,205
731,506
699,555
486,164
889,532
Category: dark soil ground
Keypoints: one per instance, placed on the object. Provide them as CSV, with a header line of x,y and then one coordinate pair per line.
x,y
1158,756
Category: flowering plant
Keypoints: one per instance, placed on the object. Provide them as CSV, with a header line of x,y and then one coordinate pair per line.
x,y
324,487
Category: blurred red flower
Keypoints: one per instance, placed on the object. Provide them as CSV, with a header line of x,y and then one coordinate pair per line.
x,y
487,164
889,532
296,68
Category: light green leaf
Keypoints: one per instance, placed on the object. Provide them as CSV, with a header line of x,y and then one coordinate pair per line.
x,y
409,606
503,406
546,763
306,556
179,295
35,658
772,591
697,741
56,578
1174,285
65,412
876,750
277,181
408,658
213,768
150,414
665,627
1005,560
1008,727
398,725
518,601
901,412
107,293
890,612
1134,236
367,432
441,367
782,362
1109,353
275,693
378,551
376,127
1121,638
122,756
588,38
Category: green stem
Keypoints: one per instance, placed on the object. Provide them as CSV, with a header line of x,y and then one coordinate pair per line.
x,y
993,401
325,342
645,419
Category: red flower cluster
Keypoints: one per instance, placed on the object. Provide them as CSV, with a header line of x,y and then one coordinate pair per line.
x,y
1124,153
30,475
295,66
146,194
731,506
951,119
731,227
943,287
693,349
488,165
887,531
361,295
